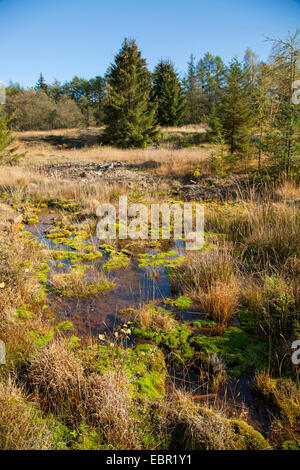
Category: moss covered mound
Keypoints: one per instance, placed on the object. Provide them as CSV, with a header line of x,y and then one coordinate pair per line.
x,y
144,365
281,396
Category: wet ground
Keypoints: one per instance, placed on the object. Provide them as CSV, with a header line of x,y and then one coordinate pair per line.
x,y
134,287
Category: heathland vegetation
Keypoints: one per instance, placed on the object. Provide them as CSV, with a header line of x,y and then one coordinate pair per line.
x,y
139,344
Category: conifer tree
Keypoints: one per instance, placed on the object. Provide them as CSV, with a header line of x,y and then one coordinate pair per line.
x,y
193,95
129,112
236,111
8,152
211,72
41,84
168,95
283,141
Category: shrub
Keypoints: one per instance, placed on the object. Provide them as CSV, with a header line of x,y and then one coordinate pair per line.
x,y
37,111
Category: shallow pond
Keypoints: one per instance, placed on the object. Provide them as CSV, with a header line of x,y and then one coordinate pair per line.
x,y
134,287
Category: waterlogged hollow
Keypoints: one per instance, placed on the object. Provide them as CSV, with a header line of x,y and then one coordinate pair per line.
x,y
134,287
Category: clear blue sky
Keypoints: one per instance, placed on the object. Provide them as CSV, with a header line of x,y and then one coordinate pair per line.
x,y
68,37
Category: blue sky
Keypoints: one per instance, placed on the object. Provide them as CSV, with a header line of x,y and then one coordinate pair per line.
x,y
80,37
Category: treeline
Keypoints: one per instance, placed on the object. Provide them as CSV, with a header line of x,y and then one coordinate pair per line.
x,y
50,106
248,104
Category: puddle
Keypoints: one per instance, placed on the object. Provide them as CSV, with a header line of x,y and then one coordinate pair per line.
x,y
135,286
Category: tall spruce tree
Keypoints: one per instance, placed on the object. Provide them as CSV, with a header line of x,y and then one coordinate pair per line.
x,y
168,95
211,71
235,111
193,94
41,84
129,112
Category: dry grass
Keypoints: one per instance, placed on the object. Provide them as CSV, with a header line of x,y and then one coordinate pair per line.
x,y
20,260
155,319
221,301
271,232
195,427
57,379
210,279
21,425
41,152
288,191
109,404
24,183
191,428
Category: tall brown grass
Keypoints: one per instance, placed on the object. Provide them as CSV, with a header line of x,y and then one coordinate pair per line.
x,y
57,378
21,424
155,319
211,279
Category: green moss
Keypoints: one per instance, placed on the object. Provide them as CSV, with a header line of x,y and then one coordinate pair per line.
x,y
281,396
43,273
75,240
158,255
159,259
173,335
23,313
87,438
291,445
247,438
203,324
144,365
69,205
39,339
75,257
107,248
59,234
31,220
64,326
181,303
241,352
74,342
127,311
116,261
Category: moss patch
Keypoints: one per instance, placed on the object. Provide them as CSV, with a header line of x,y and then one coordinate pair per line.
x,y
144,365
281,395
181,303
75,284
168,259
116,261
241,352
159,326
